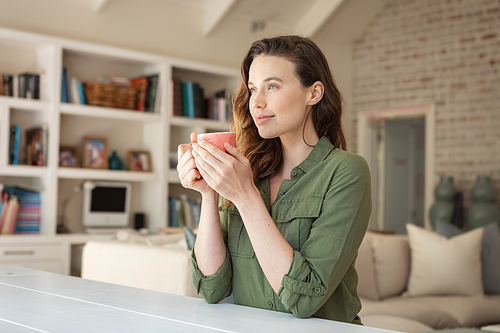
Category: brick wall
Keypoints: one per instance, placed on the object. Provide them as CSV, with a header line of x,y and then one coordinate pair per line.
x,y
445,52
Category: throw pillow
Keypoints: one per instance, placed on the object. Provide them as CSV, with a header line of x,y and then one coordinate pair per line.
x,y
490,253
190,238
391,254
441,266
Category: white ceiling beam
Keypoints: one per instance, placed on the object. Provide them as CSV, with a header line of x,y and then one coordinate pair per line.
x,y
98,5
317,16
215,12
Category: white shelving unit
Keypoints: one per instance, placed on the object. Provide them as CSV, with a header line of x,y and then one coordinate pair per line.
x,y
158,132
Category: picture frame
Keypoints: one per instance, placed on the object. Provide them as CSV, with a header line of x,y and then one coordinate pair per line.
x,y
139,160
68,156
95,152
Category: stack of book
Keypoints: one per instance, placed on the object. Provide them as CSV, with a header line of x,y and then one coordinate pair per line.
x,y
189,101
25,85
19,211
29,85
71,89
184,212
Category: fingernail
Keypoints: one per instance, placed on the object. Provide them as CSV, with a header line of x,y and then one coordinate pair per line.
x,y
227,145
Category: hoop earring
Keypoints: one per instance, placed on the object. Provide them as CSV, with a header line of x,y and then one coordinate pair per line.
x,y
304,129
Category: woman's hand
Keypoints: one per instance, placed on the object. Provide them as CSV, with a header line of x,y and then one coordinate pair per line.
x,y
186,167
228,174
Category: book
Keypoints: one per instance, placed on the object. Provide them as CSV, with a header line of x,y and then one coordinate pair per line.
x,y
178,97
6,85
188,95
81,93
152,91
3,205
141,85
10,216
173,212
15,131
74,91
64,95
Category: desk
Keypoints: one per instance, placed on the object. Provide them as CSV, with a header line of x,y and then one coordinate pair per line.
x,y
37,301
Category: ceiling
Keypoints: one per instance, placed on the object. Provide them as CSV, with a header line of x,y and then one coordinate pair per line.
x,y
303,17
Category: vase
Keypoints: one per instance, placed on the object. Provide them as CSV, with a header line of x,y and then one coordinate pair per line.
x,y
483,210
114,162
444,194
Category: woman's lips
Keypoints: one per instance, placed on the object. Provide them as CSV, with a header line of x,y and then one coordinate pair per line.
x,y
262,119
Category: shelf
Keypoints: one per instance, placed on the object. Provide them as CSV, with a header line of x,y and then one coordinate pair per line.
x,y
199,122
109,113
24,171
114,175
25,104
125,130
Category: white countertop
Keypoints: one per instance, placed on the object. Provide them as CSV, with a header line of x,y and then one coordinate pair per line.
x,y
37,301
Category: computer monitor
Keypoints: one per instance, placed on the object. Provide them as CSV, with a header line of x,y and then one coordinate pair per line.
x,y
106,205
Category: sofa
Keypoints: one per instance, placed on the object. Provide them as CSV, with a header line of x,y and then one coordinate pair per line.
x,y
154,262
391,297
424,281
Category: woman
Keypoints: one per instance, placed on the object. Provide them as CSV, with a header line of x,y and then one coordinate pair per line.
x,y
294,205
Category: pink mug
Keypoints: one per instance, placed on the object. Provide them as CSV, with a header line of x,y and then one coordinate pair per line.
x,y
218,139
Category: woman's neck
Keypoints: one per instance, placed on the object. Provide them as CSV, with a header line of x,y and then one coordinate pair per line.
x,y
295,150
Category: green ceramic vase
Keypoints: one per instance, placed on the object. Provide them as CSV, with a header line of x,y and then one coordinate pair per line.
x,y
443,207
114,162
483,210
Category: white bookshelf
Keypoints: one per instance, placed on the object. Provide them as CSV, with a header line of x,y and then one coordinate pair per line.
x,y
158,132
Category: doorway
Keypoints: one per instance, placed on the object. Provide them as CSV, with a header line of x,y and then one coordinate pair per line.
x,y
404,171
398,145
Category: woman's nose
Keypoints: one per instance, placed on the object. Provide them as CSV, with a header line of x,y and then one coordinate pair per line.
x,y
258,100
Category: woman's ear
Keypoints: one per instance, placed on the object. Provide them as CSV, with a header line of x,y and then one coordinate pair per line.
x,y
317,91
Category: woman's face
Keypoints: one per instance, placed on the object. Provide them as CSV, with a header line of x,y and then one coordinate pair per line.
x,y
278,102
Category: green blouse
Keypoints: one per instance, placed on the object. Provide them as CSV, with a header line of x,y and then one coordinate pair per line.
x,y
323,212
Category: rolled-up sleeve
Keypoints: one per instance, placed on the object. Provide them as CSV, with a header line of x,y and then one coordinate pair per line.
x,y
319,269
213,288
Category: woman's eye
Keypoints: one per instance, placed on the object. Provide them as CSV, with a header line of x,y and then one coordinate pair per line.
x,y
252,90
272,86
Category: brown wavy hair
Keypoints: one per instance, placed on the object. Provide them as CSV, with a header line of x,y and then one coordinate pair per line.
x,y
310,66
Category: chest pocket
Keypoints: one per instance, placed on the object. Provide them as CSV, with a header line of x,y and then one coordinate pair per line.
x,y
294,218
238,242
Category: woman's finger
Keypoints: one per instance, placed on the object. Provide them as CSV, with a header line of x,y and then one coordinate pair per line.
x,y
194,137
182,149
213,150
204,168
233,151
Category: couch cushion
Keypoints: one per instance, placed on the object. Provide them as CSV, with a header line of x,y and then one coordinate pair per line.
x,y
391,255
367,284
441,266
394,323
439,312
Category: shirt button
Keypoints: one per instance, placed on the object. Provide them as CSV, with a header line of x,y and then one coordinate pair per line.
x,y
317,290
270,304
282,194
294,173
